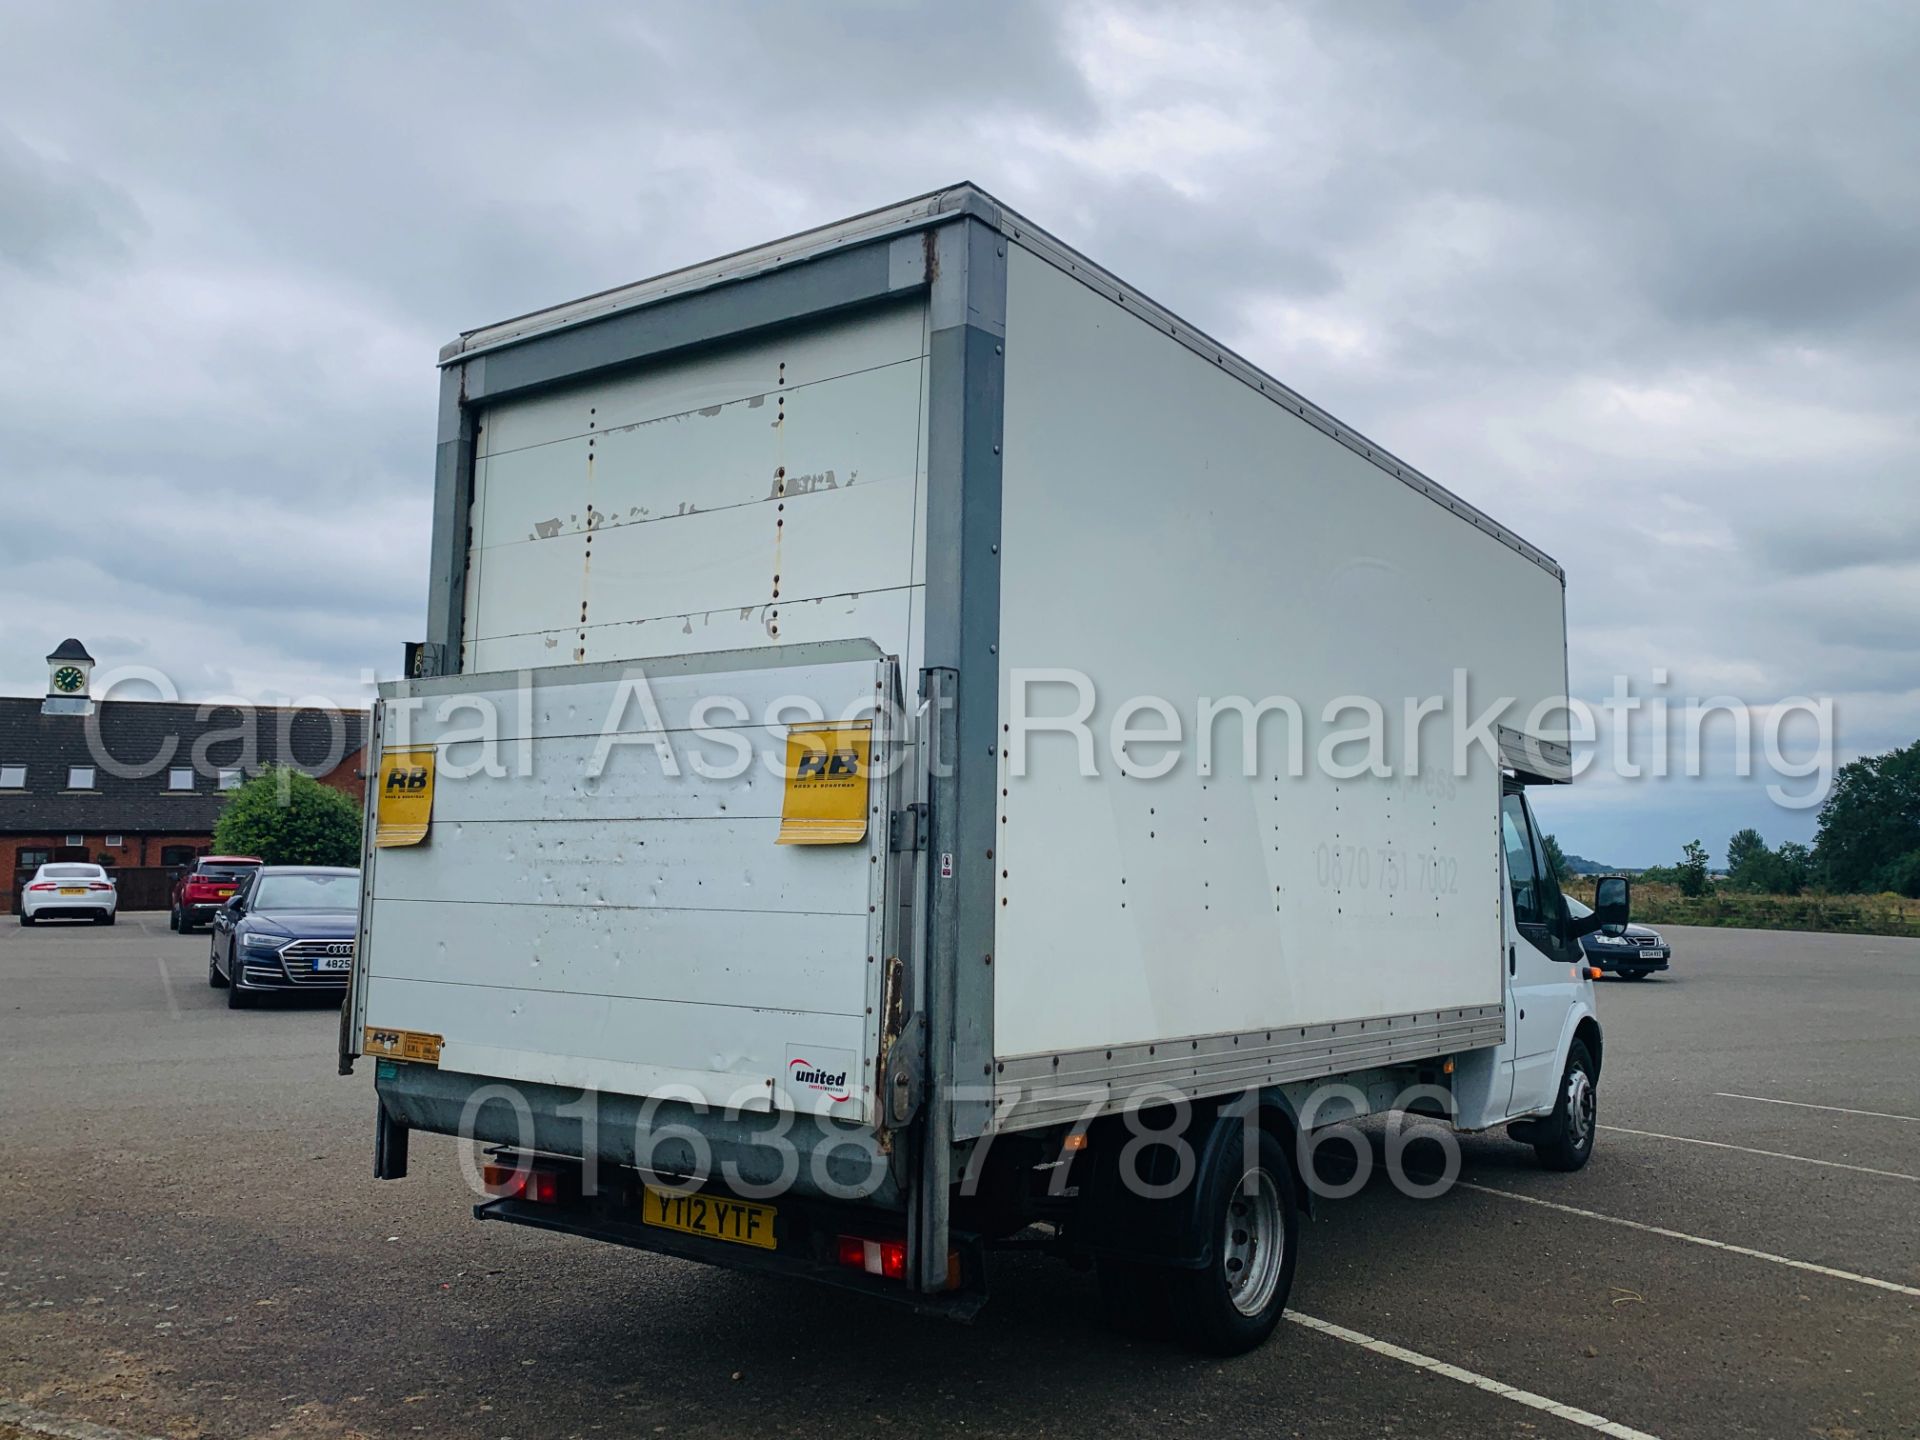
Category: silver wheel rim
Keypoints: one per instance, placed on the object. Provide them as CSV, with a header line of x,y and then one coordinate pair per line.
x,y
1581,1106
1254,1242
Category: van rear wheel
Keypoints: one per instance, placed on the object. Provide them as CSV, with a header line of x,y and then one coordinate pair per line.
x,y
1251,1227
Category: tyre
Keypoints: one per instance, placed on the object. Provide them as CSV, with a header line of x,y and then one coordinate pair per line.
x,y
173,917
1133,1298
113,917
1564,1140
238,999
102,917
214,977
1634,974
1250,1222
25,918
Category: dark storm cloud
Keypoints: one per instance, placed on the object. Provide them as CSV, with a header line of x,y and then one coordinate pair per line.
x,y
1642,281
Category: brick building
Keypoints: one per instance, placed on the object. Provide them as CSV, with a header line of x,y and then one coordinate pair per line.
x,y
138,783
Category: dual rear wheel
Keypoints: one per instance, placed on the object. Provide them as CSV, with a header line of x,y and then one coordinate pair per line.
x,y
1231,1302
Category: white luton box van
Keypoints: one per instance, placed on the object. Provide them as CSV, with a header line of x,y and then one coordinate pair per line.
x,y
917,746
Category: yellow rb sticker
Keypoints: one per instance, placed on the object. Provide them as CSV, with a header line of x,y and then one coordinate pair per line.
x,y
414,1045
826,796
405,804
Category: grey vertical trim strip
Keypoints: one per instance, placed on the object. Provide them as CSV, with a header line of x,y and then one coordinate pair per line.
x,y
452,508
967,307
933,1190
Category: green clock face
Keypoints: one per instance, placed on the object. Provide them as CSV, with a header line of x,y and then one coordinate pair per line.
x,y
68,679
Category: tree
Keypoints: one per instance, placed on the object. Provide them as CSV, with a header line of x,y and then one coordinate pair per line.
x,y
1902,876
1745,846
287,817
1693,869
1870,820
1792,869
1556,858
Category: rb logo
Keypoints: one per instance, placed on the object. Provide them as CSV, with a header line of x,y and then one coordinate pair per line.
x,y
819,765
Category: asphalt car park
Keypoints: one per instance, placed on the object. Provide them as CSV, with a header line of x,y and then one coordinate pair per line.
x,y
191,1244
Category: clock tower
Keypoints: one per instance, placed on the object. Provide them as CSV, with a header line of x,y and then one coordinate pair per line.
x,y
69,678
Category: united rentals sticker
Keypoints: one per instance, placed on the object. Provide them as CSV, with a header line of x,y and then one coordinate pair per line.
x,y
819,1078
403,809
826,794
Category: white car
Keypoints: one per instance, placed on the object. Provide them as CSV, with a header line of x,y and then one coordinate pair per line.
x,y
69,890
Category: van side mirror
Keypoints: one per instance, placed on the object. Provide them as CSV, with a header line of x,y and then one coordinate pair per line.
x,y
1611,896
1612,903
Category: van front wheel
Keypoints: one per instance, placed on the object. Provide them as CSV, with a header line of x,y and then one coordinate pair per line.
x,y
1252,1230
1564,1140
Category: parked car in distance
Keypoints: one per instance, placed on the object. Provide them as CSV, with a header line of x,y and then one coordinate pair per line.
x,y
290,927
69,890
1632,956
206,887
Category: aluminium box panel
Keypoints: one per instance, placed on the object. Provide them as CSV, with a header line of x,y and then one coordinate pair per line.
x,y
1169,532
750,494
594,906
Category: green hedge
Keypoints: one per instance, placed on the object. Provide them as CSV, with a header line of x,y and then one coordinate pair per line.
x,y
1656,904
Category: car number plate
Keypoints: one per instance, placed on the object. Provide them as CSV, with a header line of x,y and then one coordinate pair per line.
x,y
333,962
713,1217
73,889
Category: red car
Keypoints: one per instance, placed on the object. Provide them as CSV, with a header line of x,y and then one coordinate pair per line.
x,y
206,887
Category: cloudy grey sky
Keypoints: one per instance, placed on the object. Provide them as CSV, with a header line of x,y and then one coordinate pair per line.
x,y
1641,281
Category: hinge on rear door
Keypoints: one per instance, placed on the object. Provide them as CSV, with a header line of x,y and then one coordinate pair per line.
x,y
903,1082
907,829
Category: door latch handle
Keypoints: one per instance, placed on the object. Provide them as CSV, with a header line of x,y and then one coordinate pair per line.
x,y
1513,965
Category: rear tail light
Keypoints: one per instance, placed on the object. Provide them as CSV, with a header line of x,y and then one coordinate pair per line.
x,y
521,1182
886,1258
100,885
43,885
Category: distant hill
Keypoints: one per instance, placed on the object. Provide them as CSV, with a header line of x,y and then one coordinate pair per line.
x,y
1580,865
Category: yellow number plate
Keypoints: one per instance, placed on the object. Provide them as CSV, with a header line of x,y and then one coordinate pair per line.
x,y
714,1217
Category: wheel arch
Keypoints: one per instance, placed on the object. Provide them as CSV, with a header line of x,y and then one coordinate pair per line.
x,y
1587,1031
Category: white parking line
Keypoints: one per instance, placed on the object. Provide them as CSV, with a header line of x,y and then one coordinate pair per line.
x,y
166,984
1570,1413
1750,1253
1803,1105
1770,1154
